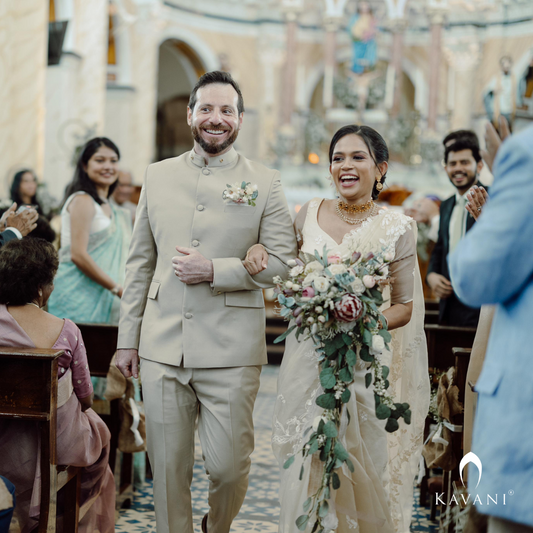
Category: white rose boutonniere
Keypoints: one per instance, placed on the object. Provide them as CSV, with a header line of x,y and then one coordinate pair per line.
x,y
241,193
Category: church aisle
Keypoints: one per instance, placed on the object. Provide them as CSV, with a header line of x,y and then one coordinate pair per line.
x,y
260,511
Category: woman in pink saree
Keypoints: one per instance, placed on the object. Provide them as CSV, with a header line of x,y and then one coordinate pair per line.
x,y
27,270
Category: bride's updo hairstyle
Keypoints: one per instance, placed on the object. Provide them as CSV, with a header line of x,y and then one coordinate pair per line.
x,y
375,143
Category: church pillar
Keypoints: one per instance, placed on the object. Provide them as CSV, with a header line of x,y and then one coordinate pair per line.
x,y
435,56
398,26
23,62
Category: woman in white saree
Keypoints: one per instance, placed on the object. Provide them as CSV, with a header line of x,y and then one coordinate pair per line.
x,y
377,496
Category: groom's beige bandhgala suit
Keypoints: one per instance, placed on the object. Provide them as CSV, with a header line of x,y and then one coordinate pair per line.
x,y
201,346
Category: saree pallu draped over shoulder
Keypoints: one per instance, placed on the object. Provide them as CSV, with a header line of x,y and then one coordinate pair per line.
x,y
80,298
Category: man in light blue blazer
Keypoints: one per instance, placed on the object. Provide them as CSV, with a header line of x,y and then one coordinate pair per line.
x,y
493,264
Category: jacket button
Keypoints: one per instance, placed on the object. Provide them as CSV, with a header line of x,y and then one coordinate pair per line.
x,y
195,243
200,207
206,171
188,315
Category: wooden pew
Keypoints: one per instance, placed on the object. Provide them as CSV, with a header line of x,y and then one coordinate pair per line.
x,y
28,391
101,344
442,339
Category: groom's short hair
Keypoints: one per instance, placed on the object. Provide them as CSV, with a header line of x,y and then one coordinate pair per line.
x,y
216,76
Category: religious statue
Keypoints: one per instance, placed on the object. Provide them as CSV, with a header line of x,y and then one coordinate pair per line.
x,y
363,29
501,100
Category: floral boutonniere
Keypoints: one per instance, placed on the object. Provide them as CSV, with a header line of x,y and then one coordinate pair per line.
x,y
241,193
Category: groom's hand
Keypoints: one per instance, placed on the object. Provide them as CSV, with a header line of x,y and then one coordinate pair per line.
x,y
192,267
127,362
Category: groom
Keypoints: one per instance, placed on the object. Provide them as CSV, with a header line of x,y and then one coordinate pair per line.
x,y
197,318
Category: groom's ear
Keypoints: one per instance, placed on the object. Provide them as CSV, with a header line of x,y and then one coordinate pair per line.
x,y
189,115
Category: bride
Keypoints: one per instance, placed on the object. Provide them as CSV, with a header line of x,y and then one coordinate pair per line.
x,y
377,496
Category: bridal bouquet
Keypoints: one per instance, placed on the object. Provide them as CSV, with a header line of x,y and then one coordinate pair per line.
x,y
335,302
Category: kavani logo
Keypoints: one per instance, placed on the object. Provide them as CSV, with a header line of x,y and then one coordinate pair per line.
x,y
472,458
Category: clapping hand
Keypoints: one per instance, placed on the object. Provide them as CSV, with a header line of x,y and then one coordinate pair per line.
x,y
256,260
477,197
493,140
441,286
192,267
24,221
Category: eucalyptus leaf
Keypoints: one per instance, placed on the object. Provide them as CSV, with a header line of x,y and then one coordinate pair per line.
x,y
326,401
289,302
368,379
314,448
367,337
288,462
385,334
307,504
323,510
281,299
383,411
243,185
345,396
327,378
349,464
339,342
283,336
301,522
285,311
330,348
335,481
340,451
330,429
407,416
385,371
351,357
347,339
392,425
301,473
346,375
377,400
364,354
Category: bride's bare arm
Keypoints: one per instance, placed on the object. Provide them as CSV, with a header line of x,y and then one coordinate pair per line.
x,y
398,315
257,257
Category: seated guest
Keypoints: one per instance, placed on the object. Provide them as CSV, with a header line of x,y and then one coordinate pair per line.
x,y
463,164
27,270
24,189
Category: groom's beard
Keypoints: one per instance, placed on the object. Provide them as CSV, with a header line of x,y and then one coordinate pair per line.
x,y
214,147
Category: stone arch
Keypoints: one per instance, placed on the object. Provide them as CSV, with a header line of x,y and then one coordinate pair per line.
x,y
180,64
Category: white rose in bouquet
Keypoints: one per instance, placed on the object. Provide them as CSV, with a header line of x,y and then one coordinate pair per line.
x,y
296,271
321,284
337,269
358,287
308,281
314,266
330,522
378,344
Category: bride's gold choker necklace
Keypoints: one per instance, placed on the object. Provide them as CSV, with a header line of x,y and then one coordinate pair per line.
x,y
354,209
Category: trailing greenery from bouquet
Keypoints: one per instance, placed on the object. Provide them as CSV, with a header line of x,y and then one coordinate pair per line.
x,y
335,302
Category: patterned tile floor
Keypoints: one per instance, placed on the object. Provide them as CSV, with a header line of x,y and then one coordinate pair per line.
x,y
260,511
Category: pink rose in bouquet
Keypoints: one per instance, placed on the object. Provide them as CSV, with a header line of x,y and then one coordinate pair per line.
x,y
308,292
348,309
334,259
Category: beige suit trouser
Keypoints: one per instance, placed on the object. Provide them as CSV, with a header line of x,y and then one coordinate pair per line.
x,y
223,400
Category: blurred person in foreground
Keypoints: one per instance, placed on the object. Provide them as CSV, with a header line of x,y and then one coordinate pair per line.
x,y
95,237
27,270
494,265
463,164
122,194
15,225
